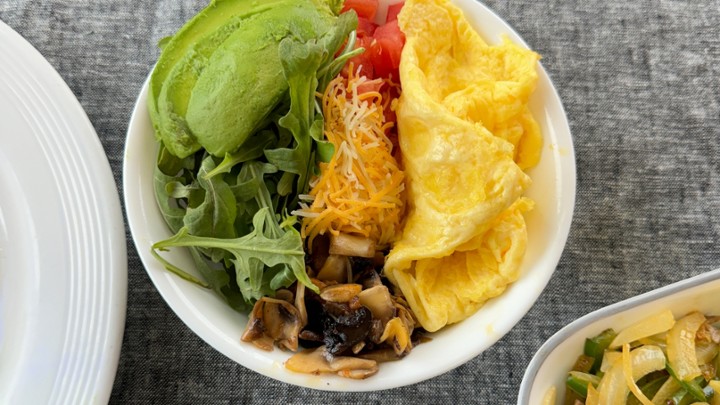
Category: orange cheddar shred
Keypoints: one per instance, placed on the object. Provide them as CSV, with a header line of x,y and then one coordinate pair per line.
x,y
361,190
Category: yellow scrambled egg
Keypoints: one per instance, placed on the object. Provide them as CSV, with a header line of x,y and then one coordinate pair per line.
x,y
466,135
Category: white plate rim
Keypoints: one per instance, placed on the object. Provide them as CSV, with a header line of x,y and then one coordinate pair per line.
x,y
90,268
559,148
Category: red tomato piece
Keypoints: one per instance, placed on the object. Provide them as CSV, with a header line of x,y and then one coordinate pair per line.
x,y
391,31
381,59
365,27
393,11
387,48
363,8
364,60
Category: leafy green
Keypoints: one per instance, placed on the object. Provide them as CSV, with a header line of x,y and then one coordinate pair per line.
x,y
231,212
216,214
252,149
343,31
269,244
171,212
302,63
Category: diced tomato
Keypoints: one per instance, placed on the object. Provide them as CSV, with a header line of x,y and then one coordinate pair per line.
x,y
383,47
393,11
391,31
363,8
365,27
387,48
364,60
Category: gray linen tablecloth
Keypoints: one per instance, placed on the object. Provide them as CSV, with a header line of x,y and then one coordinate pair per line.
x,y
640,81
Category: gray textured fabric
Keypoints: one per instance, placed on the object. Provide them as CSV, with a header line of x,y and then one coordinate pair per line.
x,y
640,82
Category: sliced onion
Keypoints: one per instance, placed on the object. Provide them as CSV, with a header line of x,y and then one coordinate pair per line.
x,y
628,371
650,326
613,388
549,398
608,359
705,352
681,346
715,385
593,396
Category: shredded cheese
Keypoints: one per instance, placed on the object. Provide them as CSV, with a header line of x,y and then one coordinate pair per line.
x,y
361,190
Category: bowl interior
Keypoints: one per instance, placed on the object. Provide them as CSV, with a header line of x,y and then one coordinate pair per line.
x,y
208,316
556,357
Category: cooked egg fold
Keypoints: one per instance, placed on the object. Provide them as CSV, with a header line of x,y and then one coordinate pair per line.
x,y
466,136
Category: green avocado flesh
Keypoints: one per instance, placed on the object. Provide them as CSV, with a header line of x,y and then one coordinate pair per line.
x,y
220,76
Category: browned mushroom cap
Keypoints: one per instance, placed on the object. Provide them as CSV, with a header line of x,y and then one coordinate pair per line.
x,y
315,362
273,320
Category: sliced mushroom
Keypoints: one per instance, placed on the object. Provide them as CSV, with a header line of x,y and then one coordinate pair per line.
x,y
340,292
402,309
319,251
351,245
398,335
310,336
379,302
358,347
336,268
366,276
273,320
316,362
377,327
382,355
284,294
300,304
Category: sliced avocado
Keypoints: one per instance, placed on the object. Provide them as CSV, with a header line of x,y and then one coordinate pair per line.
x,y
174,48
243,81
180,59
186,55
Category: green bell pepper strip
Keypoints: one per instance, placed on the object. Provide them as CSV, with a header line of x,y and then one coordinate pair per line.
x,y
595,347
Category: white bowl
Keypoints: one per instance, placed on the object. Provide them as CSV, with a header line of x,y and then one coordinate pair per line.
x,y
550,365
210,318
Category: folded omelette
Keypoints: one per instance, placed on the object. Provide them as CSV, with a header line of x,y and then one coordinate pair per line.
x,y
466,136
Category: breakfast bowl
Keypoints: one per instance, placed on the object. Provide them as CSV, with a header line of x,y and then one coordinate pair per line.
x,y
548,370
209,316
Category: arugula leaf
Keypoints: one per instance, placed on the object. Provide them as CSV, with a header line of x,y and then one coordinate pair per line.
x,y
216,214
268,246
252,149
171,212
302,63
178,190
342,32
178,271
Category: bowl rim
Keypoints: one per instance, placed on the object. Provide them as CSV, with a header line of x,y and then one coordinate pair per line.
x,y
598,315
